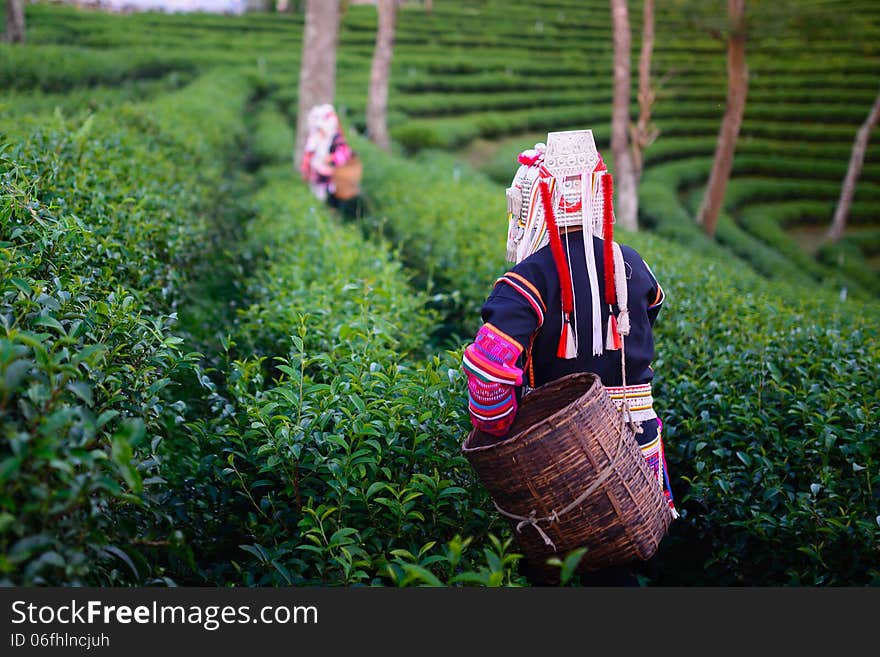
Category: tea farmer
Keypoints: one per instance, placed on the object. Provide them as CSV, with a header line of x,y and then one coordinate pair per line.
x,y
325,149
571,298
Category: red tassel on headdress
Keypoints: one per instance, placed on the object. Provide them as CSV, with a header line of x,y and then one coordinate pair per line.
x,y
566,348
612,341
608,237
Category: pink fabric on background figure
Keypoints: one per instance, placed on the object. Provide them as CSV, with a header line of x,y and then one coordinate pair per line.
x,y
341,154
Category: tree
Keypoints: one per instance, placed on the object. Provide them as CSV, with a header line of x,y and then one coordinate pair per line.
x,y
14,21
317,74
737,89
626,206
857,158
644,133
377,105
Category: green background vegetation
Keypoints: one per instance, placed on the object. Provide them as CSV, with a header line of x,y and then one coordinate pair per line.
x,y
208,378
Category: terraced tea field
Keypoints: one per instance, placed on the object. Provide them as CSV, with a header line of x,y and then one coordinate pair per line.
x,y
209,378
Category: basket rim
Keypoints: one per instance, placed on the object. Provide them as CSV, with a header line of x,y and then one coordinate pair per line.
x,y
518,435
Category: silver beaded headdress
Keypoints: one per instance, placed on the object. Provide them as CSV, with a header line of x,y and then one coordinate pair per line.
x,y
565,175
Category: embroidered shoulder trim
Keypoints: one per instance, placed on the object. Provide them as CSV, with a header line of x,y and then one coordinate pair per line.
x,y
528,291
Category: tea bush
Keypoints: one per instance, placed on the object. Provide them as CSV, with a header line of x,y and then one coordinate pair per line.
x,y
272,138
99,228
338,463
61,68
752,238
775,448
448,225
313,266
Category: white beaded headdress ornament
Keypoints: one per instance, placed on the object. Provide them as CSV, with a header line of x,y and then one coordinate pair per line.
x,y
567,176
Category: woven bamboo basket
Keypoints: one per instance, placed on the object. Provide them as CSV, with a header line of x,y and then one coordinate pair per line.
x,y
568,442
347,179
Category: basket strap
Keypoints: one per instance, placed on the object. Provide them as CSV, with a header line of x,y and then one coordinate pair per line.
x,y
624,409
532,520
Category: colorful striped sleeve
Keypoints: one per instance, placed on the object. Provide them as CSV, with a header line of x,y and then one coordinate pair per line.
x,y
492,374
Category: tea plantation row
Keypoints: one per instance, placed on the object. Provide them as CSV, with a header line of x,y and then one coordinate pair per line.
x,y
101,223
130,460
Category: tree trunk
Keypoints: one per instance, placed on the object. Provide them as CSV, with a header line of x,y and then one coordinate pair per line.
x,y
626,206
377,105
14,21
644,134
857,158
737,89
317,75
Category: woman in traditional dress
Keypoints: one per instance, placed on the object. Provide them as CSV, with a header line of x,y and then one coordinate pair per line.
x,y
325,149
571,298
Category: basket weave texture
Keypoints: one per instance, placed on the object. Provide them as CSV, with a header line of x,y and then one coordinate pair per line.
x,y
347,179
567,437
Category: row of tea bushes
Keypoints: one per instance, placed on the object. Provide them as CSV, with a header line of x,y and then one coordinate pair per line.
x,y
676,107
768,222
202,42
415,77
770,411
448,224
766,250
764,223
825,162
855,256
312,266
70,50
450,132
61,68
101,222
699,102
81,101
73,26
271,137
663,150
330,455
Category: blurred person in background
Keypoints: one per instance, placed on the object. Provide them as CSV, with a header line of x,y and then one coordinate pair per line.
x,y
325,153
